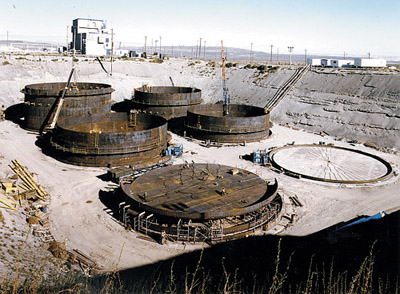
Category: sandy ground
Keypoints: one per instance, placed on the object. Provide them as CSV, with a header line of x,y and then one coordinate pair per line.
x,y
79,218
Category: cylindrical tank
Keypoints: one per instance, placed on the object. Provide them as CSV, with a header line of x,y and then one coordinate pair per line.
x,y
136,139
81,99
244,123
165,101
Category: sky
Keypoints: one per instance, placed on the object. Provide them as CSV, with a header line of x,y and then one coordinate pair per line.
x,y
357,27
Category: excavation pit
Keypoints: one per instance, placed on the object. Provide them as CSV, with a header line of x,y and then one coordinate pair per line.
x,y
199,202
166,101
244,123
330,164
111,139
81,99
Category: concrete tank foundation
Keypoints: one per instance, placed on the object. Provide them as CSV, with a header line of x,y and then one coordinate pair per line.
x,y
328,163
81,99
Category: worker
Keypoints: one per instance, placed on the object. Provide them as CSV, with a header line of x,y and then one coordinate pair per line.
x,y
223,192
163,238
3,112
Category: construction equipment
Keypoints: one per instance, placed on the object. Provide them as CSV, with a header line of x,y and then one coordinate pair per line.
x,y
102,66
58,103
176,150
225,94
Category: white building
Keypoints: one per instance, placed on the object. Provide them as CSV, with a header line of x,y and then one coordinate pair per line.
x,y
326,62
90,37
314,61
121,52
369,62
342,62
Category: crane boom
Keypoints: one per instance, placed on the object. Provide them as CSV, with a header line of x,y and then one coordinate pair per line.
x,y
56,108
225,94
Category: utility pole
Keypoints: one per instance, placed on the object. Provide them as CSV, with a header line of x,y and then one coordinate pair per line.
x,y
251,52
160,44
145,45
305,56
112,50
155,42
197,46
74,43
369,55
344,55
67,39
7,39
200,49
270,59
290,48
277,55
204,57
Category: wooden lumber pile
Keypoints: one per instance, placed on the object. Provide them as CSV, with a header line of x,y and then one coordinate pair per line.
x,y
7,203
29,183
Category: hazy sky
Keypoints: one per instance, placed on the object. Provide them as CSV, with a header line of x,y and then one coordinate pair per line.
x,y
320,26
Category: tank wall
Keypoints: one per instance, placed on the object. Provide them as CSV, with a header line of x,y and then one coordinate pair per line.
x,y
77,144
240,120
70,138
168,102
243,123
40,98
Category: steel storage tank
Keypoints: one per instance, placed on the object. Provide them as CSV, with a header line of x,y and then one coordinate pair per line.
x,y
136,139
244,123
80,99
166,101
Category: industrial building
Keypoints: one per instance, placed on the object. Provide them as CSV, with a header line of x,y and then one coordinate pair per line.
x,y
356,62
342,62
90,37
369,62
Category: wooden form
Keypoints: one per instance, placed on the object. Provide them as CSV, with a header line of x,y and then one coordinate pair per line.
x,y
29,183
7,203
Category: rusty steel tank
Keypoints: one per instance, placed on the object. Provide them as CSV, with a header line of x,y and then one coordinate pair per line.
x,y
166,101
110,139
199,202
243,123
81,99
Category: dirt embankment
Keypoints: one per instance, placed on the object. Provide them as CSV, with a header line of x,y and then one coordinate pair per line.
x,y
353,104
356,105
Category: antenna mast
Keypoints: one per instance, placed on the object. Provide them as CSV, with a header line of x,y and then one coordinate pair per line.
x,y
225,95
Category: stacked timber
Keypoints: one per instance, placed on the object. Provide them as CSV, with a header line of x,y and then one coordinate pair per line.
x,y
29,183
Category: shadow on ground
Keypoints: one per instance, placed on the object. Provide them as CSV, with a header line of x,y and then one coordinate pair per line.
x,y
332,257
16,113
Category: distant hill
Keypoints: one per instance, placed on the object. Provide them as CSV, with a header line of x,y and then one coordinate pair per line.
x,y
211,53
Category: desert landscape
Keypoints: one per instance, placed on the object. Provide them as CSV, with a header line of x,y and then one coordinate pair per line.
x,y
350,108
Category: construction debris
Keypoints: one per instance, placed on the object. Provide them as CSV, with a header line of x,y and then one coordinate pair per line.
x,y
7,203
9,188
29,183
